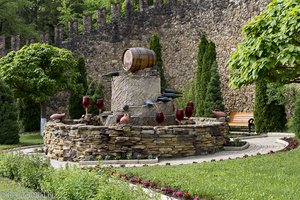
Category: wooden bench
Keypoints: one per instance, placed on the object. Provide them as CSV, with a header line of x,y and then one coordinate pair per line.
x,y
239,120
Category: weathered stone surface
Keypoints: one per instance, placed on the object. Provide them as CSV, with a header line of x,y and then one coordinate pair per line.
x,y
133,89
167,141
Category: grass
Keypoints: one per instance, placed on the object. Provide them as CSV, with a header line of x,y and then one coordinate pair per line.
x,y
274,176
10,189
26,139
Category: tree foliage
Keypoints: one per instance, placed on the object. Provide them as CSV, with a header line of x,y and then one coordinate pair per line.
x,y
269,108
11,21
155,45
198,98
8,118
29,115
260,108
76,110
271,47
208,58
296,117
38,71
213,99
95,91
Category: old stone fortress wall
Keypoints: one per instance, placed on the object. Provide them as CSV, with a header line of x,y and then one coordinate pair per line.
x,y
179,26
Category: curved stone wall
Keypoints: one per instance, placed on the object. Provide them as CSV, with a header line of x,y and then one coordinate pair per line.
x,y
83,142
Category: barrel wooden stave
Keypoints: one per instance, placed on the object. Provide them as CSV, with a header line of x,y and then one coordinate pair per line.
x,y
138,58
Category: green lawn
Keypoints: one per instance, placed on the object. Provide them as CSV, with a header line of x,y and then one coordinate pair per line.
x,y
25,140
11,190
274,176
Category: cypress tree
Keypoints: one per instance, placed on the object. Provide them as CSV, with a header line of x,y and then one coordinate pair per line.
x,y
201,51
29,115
261,107
97,93
276,117
76,110
155,45
295,125
208,58
213,99
8,118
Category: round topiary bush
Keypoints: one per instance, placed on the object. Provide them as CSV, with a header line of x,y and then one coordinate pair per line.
x,y
8,118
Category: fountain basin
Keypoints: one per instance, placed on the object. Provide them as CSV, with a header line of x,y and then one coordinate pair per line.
x,y
78,142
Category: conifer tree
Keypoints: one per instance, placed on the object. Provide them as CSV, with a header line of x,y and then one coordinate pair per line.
x,y
8,117
29,115
95,91
155,45
261,108
276,117
296,117
213,99
201,51
208,58
76,110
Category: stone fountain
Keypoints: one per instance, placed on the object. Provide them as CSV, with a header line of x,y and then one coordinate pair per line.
x,y
140,137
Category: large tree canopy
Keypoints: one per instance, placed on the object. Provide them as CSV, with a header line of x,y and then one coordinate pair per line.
x,y
38,71
271,48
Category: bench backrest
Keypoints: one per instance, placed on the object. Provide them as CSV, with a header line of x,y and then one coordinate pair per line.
x,y
240,117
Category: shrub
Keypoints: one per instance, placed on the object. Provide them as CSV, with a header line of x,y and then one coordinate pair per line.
x,y
70,183
213,99
26,169
9,130
155,45
65,184
201,51
260,107
295,125
76,110
269,108
118,190
29,115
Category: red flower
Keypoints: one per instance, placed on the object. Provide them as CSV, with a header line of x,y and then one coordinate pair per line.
x,y
146,183
132,180
139,180
153,184
179,194
187,195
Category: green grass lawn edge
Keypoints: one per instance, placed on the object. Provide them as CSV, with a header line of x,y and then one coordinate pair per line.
x,y
26,139
274,176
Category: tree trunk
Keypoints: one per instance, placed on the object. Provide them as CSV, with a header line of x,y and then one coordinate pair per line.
x,y
43,117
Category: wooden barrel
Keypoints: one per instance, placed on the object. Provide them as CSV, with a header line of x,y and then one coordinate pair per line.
x,y
135,59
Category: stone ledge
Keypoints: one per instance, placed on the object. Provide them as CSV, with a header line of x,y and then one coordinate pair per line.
x,y
105,162
228,148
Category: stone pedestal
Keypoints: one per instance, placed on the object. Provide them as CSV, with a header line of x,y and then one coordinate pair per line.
x,y
133,89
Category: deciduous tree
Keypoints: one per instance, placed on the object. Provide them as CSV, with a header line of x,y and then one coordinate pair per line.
x,y
39,71
271,47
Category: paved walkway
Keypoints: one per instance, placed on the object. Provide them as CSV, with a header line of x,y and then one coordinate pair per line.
x,y
262,145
